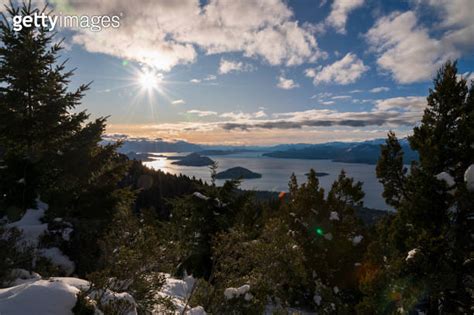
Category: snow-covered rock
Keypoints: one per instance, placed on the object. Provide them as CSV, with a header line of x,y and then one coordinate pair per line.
x,y
334,216
56,296
469,177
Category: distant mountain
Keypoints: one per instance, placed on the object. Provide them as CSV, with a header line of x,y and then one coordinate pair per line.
x,y
350,152
156,145
366,152
223,152
238,173
194,159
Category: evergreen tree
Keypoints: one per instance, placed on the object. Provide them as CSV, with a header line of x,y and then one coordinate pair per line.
x,y
421,260
49,150
329,235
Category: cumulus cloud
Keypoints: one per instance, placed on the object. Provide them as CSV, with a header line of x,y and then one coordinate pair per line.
x,y
405,49
379,89
164,33
195,81
340,10
456,19
201,113
178,102
286,84
344,71
228,66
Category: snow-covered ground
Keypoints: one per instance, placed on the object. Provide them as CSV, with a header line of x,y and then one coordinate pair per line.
x,y
29,293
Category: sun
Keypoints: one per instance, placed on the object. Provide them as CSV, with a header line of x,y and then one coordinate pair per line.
x,y
149,80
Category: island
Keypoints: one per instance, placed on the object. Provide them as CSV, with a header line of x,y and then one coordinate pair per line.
x,y
141,156
194,159
238,173
319,174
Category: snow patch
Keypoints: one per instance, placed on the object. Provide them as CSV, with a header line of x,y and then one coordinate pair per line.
x,y
357,239
200,196
444,176
412,254
334,216
179,292
232,293
57,258
469,178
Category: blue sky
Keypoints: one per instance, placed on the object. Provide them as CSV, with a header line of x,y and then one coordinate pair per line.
x,y
266,72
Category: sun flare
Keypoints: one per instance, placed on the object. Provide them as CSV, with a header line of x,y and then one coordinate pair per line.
x,y
149,80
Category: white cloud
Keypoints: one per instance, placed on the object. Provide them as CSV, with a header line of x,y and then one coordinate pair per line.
x,y
406,103
341,97
344,71
241,116
202,113
178,102
195,80
405,49
379,89
340,10
327,102
228,66
456,18
165,33
286,84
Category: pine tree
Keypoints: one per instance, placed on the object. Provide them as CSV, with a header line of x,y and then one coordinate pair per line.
x,y
426,247
48,149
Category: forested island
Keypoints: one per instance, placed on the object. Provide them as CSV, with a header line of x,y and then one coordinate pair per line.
x,y
238,173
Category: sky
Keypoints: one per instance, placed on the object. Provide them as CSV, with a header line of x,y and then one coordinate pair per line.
x,y
265,72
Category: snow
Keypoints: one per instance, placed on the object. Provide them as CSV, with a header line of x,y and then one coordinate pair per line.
x,y
469,178
200,196
328,236
57,258
231,293
317,299
30,225
334,216
357,239
178,291
53,296
32,229
40,297
444,176
411,254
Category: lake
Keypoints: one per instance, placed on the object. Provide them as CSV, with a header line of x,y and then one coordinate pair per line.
x,y
276,172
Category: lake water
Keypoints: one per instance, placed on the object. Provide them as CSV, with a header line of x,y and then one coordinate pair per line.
x,y
276,172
